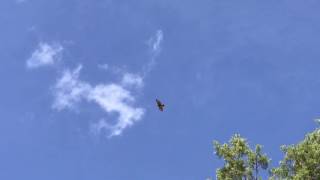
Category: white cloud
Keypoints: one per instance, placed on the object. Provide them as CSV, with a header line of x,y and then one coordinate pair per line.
x,y
132,80
154,43
45,55
69,90
112,97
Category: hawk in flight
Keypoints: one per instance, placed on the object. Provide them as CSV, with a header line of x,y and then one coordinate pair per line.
x,y
160,105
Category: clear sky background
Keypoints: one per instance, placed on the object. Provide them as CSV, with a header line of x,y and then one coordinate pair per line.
x,y
79,79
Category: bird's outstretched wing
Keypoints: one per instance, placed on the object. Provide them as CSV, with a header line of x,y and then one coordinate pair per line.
x,y
160,104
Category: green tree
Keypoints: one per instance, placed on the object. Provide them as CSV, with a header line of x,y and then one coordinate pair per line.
x,y
241,162
301,161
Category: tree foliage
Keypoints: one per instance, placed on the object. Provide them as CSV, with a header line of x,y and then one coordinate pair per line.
x,y
301,161
241,162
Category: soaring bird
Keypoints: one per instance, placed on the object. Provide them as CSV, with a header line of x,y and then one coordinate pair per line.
x,y
160,105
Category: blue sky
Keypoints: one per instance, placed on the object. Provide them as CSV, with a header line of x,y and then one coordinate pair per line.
x,y
79,82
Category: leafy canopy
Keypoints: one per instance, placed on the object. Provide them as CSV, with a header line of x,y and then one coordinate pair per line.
x,y
301,161
241,162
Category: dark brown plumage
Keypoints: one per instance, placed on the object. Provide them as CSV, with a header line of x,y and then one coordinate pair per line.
x,y
160,104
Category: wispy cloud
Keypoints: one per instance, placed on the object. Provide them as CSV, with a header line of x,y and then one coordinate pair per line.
x,y
116,97
111,97
69,90
154,44
45,55
132,80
